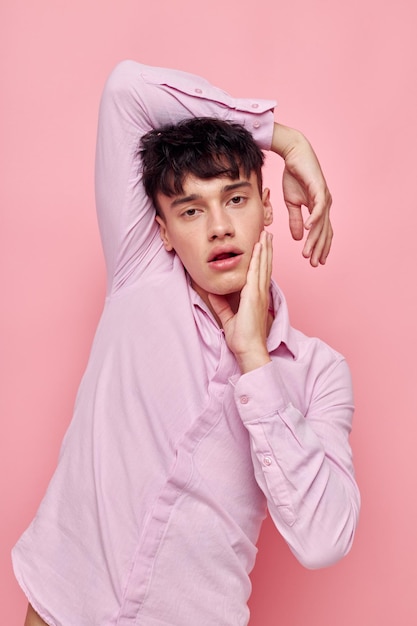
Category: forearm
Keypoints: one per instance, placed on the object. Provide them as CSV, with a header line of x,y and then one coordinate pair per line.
x,y
302,464
312,497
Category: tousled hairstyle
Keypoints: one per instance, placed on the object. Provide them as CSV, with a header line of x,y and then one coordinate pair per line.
x,y
203,147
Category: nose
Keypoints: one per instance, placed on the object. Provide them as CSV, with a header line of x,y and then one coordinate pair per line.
x,y
220,224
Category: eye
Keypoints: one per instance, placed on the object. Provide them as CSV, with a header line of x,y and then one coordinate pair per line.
x,y
236,200
190,213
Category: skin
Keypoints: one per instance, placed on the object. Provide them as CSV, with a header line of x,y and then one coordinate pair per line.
x,y
207,224
33,619
303,184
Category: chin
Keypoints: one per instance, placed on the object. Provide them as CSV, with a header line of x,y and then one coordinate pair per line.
x,y
222,287
229,289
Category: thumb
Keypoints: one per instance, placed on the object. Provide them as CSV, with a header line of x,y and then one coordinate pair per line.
x,y
295,220
221,308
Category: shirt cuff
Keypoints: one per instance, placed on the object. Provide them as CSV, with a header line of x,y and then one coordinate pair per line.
x,y
261,125
260,393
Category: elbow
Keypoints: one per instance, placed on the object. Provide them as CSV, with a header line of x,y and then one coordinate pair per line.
x,y
323,555
121,80
329,545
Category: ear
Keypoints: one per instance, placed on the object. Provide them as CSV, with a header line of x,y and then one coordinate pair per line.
x,y
268,212
163,233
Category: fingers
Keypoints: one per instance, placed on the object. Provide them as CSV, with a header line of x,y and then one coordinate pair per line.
x,y
296,222
246,330
304,185
318,201
319,239
318,251
294,198
260,267
256,290
318,243
265,270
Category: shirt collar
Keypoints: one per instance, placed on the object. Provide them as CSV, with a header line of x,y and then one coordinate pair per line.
x,y
281,334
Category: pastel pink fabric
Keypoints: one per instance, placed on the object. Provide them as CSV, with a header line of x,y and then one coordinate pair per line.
x,y
172,456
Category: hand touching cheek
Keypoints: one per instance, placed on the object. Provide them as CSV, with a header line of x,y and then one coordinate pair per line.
x,y
246,330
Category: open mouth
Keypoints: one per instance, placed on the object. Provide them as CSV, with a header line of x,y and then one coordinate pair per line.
x,y
223,255
222,260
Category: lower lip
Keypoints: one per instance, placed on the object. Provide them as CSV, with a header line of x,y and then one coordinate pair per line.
x,y
225,264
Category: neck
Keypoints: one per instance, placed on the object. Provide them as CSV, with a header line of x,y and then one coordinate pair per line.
x,y
232,299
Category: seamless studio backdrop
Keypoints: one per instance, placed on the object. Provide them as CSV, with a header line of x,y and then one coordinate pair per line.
x,y
345,74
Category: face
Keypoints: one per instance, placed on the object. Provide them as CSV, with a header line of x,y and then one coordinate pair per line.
x,y
213,226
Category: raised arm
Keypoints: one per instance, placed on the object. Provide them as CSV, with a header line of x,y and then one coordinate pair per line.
x,y
136,99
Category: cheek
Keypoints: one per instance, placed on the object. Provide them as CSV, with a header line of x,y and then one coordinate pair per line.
x,y
187,254
255,229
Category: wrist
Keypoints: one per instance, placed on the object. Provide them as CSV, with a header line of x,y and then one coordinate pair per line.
x,y
252,360
284,139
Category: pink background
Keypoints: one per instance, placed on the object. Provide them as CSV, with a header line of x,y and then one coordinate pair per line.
x,y
345,73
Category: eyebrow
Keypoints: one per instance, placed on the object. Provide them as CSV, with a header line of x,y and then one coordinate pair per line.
x,y
225,189
233,186
184,200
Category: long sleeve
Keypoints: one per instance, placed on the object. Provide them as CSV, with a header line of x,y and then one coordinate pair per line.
x,y
136,99
298,412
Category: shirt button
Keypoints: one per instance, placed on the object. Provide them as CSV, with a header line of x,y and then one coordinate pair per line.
x,y
198,90
244,399
256,125
255,105
267,461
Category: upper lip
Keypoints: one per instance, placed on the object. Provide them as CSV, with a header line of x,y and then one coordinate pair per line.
x,y
221,250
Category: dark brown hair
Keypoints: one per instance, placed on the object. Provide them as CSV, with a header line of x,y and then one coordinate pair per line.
x,y
204,147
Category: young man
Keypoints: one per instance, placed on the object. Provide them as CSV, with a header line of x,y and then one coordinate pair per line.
x,y
200,405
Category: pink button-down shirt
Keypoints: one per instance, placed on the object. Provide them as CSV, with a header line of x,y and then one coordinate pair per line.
x,y
172,456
